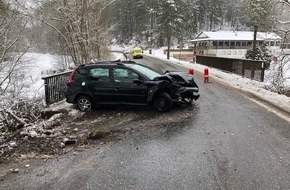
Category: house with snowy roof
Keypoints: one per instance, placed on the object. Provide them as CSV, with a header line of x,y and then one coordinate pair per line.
x,y
233,44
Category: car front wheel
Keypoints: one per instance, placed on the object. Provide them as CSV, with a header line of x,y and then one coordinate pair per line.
x,y
163,102
84,103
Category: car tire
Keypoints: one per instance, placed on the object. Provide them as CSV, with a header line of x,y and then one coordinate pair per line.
x,y
84,103
163,102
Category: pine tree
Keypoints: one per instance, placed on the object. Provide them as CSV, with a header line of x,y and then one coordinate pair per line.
x,y
261,53
215,13
190,24
260,13
169,19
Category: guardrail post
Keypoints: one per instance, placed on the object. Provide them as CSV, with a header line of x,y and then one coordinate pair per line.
x,y
46,91
262,71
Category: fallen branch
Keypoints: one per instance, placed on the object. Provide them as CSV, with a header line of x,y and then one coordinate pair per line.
x,y
20,120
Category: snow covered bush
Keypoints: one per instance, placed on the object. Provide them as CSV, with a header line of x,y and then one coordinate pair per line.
x,y
260,54
19,113
279,74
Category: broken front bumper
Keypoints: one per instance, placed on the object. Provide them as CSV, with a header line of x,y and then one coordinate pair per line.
x,y
192,92
187,94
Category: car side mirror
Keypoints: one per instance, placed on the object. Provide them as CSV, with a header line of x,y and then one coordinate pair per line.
x,y
137,81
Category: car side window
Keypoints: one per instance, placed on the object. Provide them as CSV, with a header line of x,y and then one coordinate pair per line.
x,y
100,74
124,75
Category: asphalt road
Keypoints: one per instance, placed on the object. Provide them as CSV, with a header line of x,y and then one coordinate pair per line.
x,y
229,142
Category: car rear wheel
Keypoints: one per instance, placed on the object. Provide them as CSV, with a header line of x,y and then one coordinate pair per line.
x,y
84,103
163,102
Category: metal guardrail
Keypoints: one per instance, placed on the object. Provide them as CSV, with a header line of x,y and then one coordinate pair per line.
x,y
55,87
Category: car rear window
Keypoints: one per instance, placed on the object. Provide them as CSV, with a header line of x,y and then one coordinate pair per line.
x,y
79,74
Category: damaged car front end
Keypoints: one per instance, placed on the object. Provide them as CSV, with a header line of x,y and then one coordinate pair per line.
x,y
182,86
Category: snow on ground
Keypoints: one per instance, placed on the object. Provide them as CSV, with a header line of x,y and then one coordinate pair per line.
x,y
251,86
35,66
118,56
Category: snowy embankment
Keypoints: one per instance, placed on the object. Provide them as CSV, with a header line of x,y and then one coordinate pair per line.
x,y
33,67
255,88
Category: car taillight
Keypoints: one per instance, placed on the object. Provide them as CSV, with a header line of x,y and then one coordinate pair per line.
x,y
70,79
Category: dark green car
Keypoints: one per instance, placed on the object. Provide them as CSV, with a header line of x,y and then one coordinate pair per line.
x,y
126,82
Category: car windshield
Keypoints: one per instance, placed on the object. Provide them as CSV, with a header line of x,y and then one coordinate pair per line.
x,y
151,74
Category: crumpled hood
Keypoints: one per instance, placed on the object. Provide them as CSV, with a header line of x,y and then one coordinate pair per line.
x,y
183,78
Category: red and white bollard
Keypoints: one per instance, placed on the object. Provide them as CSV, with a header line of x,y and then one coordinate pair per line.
x,y
206,75
191,71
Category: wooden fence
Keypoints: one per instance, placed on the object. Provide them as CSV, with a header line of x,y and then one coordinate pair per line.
x,y
55,87
244,67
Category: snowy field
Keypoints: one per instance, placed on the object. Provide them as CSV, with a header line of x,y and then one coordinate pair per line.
x,y
35,66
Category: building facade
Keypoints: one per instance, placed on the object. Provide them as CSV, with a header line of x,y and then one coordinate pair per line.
x,y
233,44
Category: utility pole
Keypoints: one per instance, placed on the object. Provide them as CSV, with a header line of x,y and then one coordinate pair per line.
x,y
254,42
254,51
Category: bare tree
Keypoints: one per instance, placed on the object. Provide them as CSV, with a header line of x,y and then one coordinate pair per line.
x,y
11,47
78,26
277,75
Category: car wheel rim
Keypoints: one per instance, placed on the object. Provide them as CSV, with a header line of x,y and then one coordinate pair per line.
x,y
161,103
84,105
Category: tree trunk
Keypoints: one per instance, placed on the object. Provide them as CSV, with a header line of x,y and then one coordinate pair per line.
x,y
169,34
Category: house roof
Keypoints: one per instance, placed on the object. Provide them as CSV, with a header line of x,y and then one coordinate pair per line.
x,y
236,36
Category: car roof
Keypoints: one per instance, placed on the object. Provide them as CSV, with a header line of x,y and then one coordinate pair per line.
x,y
107,63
